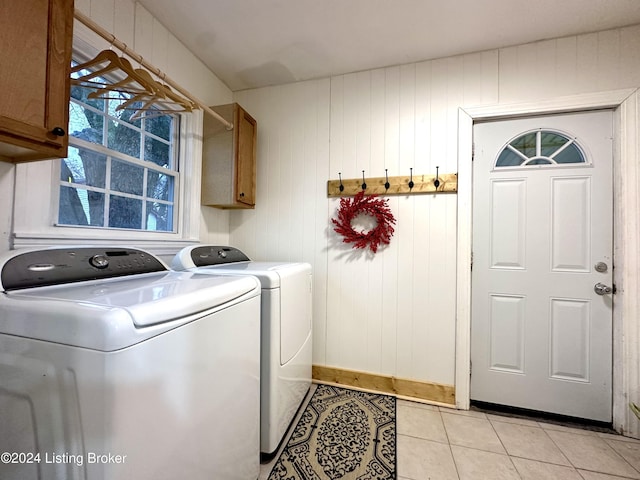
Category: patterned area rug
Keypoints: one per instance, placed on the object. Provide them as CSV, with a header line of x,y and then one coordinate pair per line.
x,y
342,435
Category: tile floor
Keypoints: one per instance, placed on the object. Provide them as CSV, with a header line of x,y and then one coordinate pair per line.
x,y
443,444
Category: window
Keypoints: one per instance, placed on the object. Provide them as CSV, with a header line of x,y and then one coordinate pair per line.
x,y
121,170
541,147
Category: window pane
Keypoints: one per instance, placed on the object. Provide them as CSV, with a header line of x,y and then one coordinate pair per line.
x,y
526,144
159,217
157,152
551,142
159,186
508,159
539,161
125,113
82,92
77,92
126,178
124,139
125,212
85,124
79,206
159,126
571,154
85,167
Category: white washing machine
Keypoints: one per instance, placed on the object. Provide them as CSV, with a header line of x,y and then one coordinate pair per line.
x,y
113,367
286,330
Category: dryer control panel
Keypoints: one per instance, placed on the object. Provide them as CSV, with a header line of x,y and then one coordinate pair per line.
x,y
214,255
65,265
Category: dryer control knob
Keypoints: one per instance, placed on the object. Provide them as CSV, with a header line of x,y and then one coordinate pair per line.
x,y
99,261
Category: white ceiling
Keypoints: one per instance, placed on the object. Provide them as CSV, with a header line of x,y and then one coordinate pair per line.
x,y
254,43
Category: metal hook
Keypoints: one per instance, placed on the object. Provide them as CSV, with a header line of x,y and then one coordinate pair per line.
x,y
386,174
411,184
341,188
436,182
364,184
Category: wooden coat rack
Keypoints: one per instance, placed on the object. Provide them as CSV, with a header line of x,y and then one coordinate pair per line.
x,y
399,185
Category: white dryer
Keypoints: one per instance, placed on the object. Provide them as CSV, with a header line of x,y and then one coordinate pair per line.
x,y
286,330
113,367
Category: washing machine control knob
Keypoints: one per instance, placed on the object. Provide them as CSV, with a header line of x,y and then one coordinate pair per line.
x,y
99,261
222,254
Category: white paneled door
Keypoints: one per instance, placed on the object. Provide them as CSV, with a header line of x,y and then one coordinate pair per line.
x,y
542,264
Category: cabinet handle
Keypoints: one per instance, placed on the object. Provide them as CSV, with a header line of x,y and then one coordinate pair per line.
x,y
242,194
58,132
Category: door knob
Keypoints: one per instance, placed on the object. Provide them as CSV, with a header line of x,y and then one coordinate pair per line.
x,y
602,289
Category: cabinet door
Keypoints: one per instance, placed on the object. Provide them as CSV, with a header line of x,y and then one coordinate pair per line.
x,y
34,79
245,158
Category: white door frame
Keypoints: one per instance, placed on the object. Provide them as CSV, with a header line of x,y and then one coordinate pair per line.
x,y
626,243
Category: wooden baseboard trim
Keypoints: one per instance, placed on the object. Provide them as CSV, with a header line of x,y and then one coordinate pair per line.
x,y
431,392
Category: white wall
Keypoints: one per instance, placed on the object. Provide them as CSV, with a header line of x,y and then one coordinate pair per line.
x,y
140,31
394,313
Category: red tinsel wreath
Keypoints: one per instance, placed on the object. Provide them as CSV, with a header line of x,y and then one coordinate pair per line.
x,y
373,206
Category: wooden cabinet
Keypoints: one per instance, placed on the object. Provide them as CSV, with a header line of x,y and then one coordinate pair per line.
x,y
35,56
229,159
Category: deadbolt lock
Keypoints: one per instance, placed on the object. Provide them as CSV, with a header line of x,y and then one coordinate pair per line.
x,y
601,267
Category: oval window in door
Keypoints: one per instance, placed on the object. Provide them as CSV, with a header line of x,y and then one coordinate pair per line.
x,y
540,147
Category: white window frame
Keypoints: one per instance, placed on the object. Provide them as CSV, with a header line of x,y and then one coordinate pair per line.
x,y
37,186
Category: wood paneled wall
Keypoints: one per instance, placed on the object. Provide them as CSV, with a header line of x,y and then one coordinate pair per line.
x,y
393,313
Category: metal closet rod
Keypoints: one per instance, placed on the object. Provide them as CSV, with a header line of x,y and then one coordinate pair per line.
x,y
109,37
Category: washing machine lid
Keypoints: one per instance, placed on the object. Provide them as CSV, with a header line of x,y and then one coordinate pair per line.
x,y
115,312
229,260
